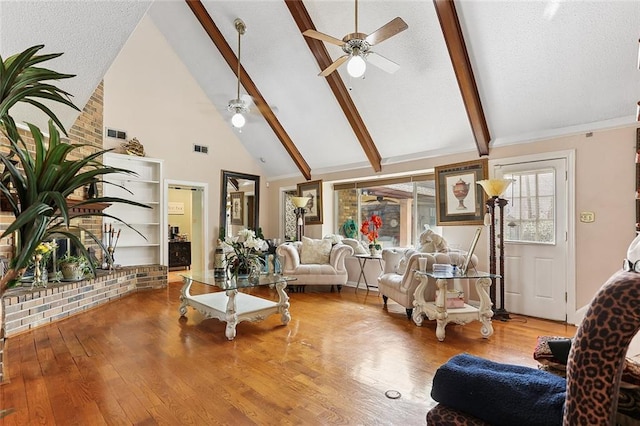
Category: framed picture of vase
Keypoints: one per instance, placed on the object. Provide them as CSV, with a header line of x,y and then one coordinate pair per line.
x,y
237,208
459,200
313,190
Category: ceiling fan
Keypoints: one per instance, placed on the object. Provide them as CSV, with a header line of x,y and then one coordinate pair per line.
x,y
357,47
378,199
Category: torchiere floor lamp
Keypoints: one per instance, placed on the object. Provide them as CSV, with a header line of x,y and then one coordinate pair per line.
x,y
300,203
494,189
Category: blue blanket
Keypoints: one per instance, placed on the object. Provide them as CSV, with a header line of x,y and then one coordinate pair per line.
x,y
500,394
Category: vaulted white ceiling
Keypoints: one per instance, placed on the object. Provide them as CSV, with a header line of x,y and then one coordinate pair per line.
x,y
542,68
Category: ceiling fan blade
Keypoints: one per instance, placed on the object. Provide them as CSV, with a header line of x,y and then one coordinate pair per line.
x,y
323,37
383,63
391,28
331,68
248,99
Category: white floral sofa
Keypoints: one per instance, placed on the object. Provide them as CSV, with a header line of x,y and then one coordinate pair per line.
x,y
315,262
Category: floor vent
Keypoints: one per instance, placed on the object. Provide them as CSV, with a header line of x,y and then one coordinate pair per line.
x,y
117,134
203,149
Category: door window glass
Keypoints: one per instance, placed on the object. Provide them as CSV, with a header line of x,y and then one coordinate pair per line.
x,y
530,213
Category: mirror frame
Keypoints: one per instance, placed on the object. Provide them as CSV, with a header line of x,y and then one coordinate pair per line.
x,y
225,176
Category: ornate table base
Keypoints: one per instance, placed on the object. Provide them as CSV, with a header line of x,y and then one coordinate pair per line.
x,y
438,311
233,307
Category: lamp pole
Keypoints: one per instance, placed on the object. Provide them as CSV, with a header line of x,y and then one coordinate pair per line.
x,y
491,210
300,211
501,312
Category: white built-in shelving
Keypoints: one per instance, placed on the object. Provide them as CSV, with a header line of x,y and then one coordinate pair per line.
x,y
145,188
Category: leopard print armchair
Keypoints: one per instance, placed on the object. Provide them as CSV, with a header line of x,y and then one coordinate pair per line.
x,y
596,359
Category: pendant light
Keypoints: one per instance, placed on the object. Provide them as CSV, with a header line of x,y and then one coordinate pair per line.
x,y
238,106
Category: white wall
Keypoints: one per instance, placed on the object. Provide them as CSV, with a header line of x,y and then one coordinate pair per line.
x,y
149,93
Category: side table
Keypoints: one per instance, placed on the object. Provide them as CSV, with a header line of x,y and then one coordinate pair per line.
x,y
438,309
362,261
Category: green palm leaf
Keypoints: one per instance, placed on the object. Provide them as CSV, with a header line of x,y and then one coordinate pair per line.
x,y
21,81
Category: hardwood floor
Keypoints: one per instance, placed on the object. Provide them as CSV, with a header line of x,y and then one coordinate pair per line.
x,y
134,361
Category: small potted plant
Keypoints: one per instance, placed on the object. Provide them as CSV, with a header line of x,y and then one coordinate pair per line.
x,y
370,229
74,268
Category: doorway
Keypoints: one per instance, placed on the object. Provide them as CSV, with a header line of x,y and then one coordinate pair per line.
x,y
185,213
538,236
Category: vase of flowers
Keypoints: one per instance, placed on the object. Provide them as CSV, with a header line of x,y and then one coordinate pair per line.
x,y
244,255
370,229
39,260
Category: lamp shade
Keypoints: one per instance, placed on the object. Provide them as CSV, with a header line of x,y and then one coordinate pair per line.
x,y
356,66
238,120
495,187
300,202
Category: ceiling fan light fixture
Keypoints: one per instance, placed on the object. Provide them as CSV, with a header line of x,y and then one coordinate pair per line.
x,y
238,120
356,66
237,105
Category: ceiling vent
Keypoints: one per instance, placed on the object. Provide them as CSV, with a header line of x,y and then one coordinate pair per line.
x,y
203,149
117,134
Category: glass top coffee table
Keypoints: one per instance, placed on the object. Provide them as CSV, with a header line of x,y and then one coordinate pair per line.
x,y
231,306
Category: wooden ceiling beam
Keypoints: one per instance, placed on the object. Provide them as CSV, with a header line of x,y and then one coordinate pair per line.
x,y
340,91
454,39
216,36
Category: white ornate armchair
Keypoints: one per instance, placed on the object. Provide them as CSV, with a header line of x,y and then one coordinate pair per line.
x,y
398,281
326,269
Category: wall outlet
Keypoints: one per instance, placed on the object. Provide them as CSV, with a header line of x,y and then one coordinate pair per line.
x,y
587,217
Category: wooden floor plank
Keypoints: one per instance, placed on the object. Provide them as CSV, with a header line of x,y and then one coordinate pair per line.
x,y
135,361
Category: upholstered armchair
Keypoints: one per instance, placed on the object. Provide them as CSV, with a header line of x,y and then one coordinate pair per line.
x,y
325,266
594,369
398,281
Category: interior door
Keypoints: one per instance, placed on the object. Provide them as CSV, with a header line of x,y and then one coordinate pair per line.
x,y
536,247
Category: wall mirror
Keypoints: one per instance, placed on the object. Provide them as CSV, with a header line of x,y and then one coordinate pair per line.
x,y
239,201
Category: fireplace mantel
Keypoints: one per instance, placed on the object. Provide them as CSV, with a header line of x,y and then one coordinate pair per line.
x,y
85,208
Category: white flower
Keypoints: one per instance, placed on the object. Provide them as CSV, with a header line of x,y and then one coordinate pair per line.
x,y
246,234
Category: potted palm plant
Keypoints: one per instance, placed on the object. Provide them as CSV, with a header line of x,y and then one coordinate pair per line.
x,y
36,183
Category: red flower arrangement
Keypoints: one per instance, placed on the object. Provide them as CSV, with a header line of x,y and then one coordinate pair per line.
x,y
370,229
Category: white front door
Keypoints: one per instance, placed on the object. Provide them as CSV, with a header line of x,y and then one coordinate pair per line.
x,y
536,247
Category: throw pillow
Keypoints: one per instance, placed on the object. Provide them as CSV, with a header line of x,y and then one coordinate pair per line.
x,y
356,245
556,361
315,251
542,353
404,262
334,238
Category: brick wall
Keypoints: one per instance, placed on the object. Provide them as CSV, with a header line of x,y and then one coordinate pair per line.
x,y
88,129
348,208
25,309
